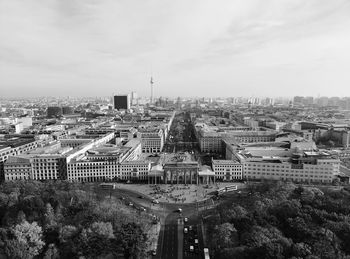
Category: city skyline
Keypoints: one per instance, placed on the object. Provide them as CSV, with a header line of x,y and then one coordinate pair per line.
x,y
235,48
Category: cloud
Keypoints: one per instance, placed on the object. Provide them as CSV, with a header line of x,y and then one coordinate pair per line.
x,y
187,45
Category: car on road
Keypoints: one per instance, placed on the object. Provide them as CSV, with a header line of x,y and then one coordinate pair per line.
x,y
179,210
191,248
190,227
185,230
185,219
130,204
196,241
155,201
155,219
142,209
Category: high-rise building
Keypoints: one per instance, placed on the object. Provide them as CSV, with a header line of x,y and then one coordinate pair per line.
x,y
322,101
54,111
298,99
309,100
67,110
133,98
122,102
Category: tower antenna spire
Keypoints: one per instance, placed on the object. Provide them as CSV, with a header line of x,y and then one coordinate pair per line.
x,y
152,82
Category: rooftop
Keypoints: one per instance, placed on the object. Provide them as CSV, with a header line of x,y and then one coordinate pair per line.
x,y
181,157
132,142
52,149
108,150
17,160
224,162
15,141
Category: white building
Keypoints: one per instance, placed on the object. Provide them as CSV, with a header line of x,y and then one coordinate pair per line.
x,y
227,170
252,123
211,140
152,140
92,171
300,167
18,168
134,170
48,162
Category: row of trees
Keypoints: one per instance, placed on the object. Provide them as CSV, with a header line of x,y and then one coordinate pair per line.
x,y
61,220
281,220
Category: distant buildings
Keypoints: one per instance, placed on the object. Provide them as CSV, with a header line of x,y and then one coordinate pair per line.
x,y
323,101
67,110
57,111
250,138
122,102
134,98
300,100
54,111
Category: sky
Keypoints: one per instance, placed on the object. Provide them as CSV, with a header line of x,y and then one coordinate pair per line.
x,y
216,48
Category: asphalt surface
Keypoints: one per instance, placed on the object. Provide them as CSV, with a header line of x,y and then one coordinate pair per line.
x,y
185,139
194,232
172,241
168,239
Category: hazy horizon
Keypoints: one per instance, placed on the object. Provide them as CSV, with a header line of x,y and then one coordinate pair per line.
x,y
191,48
170,97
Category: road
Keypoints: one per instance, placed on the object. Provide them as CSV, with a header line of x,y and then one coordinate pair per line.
x,y
173,243
181,136
194,232
168,240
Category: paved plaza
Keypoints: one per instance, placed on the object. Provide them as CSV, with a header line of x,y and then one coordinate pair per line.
x,y
178,193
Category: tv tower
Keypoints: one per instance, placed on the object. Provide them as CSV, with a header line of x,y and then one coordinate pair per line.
x,y
151,89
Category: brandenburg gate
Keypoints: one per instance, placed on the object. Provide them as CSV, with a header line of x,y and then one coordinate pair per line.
x,y
180,169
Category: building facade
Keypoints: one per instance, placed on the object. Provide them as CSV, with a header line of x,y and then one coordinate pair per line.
x,y
152,140
122,102
227,170
306,167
